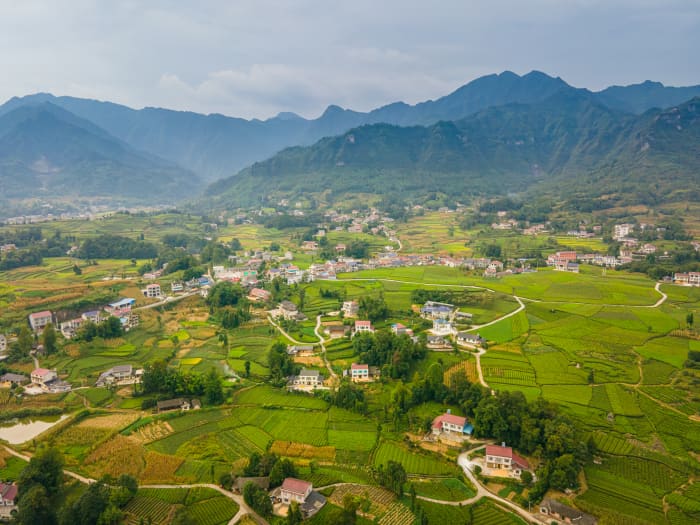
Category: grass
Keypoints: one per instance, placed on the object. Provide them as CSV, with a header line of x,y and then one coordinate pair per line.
x,y
449,489
414,463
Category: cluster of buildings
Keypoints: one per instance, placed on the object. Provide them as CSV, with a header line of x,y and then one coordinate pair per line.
x,y
122,310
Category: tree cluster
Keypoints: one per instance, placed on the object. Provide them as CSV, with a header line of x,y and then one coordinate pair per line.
x,y
281,364
373,308
109,246
159,378
394,354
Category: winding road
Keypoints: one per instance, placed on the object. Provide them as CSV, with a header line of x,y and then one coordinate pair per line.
x,y
317,331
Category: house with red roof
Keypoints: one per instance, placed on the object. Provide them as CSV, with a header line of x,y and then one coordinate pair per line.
x,y
258,294
363,326
41,376
294,489
503,458
451,424
8,494
39,320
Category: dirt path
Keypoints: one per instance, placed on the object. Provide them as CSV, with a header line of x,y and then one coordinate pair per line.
x,y
317,331
167,300
284,333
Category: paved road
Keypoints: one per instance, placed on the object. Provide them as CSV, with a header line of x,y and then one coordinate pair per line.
x,y
68,473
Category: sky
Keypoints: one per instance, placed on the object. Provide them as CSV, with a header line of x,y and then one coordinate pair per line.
x,y
255,58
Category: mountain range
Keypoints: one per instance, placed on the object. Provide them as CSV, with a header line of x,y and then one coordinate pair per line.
x,y
46,151
525,128
569,144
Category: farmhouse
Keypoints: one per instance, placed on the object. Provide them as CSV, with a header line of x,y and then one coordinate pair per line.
x,y
289,311
8,494
9,379
432,310
437,341
351,308
464,316
554,509
294,489
259,295
309,246
336,331
177,287
119,374
400,329
363,373
363,326
300,350
306,378
41,376
451,424
260,481
3,343
687,279
503,458
120,308
173,404
39,320
442,327
466,338
152,290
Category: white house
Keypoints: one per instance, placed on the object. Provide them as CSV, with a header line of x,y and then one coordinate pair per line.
x,y
350,308
465,338
363,326
306,377
116,374
8,494
442,327
3,343
503,458
294,489
41,376
450,423
39,320
152,290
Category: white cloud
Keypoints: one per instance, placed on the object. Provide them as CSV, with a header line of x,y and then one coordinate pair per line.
x,y
254,58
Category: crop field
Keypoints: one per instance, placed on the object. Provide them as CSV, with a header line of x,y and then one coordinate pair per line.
x,y
413,463
506,329
269,396
482,513
204,506
448,489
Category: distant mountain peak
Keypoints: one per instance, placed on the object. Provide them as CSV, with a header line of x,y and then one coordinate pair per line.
x,y
287,115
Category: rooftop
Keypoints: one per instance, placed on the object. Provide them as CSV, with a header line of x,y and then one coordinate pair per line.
x,y
296,486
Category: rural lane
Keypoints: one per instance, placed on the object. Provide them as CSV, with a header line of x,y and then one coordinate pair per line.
x,y
169,299
282,331
323,346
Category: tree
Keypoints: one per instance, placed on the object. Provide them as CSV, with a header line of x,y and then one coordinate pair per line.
x,y
213,390
294,516
282,469
45,469
48,337
689,319
246,365
257,498
23,345
392,477
526,477
350,506
34,507
183,518
77,270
